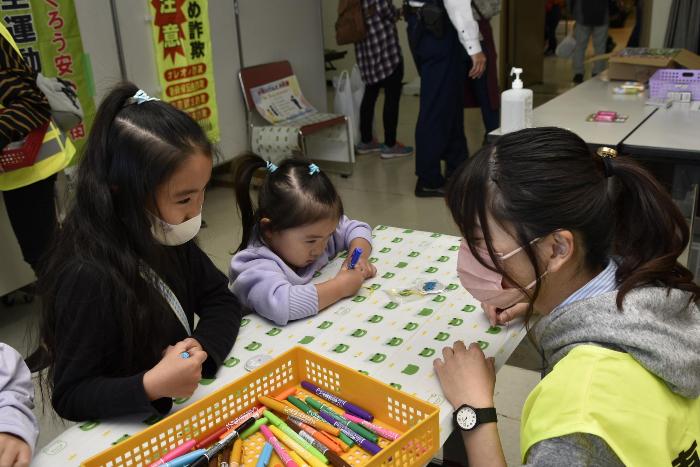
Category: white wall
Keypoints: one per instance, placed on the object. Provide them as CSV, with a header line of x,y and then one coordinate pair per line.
x,y
659,21
273,30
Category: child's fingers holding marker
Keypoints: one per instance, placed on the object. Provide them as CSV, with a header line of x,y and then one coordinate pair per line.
x,y
191,344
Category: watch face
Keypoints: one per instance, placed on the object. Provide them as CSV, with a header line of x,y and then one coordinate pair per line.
x,y
466,418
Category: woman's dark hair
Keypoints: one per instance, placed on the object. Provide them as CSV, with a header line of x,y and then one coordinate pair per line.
x,y
132,148
542,179
290,196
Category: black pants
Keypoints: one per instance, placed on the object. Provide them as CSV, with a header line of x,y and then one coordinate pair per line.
x,y
32,214
392,85
551,21
442,65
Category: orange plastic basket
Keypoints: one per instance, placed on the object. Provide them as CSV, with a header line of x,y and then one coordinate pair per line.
x,y
416,420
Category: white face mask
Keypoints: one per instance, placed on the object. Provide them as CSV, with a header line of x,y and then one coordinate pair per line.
x,y
172,235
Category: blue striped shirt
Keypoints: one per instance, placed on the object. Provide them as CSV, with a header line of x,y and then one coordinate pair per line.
x,y
602,283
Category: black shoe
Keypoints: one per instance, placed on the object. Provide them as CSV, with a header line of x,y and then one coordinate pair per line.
x,y
578,78
425,192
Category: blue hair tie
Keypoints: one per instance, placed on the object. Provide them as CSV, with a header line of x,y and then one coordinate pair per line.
x,y
140,97
270,167
313,169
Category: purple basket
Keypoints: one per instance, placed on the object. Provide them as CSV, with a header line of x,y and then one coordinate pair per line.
x,y
671,80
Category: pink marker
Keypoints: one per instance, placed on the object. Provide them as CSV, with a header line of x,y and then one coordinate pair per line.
x,y
184,448
272,439
383,432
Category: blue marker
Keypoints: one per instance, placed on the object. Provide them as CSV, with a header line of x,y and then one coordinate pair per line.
x,y
186,459
265,456
356,253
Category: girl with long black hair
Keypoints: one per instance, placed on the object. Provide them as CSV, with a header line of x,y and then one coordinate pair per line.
x,y
125,279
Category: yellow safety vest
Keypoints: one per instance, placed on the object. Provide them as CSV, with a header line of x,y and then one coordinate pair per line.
x,y
608,394
55,153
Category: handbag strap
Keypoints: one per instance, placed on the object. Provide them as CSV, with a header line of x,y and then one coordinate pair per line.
x,y
151,276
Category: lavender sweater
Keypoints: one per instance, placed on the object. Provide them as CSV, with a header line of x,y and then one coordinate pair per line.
x,y
264,282
16,397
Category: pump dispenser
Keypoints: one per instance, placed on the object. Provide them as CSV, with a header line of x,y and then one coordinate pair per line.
x,y
516,105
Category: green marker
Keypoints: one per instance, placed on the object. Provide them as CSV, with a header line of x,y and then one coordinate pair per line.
x,y
254,429
360,430
284,428
299,404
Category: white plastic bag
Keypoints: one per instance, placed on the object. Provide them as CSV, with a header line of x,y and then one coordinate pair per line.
x,y
344,103
566,47
358,89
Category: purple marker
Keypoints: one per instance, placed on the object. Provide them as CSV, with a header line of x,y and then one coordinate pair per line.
x,y
342,403
356,253
362,442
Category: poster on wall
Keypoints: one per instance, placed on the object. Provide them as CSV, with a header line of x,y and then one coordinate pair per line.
x,y
48,35
281,100
182,40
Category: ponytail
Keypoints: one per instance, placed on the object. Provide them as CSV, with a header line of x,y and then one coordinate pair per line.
x,y
543,179
244,169
290,196
650,233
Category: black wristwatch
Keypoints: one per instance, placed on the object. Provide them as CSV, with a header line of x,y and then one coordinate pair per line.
x,y
467,417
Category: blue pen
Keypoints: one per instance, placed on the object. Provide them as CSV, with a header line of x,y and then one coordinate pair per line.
x,y
356,253
185,459
265,456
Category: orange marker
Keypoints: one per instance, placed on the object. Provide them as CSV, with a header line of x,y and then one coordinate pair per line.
x,y
318,436
343,445
285,393
278,406
234,459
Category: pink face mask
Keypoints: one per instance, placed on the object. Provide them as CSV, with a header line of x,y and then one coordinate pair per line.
x,y
484,284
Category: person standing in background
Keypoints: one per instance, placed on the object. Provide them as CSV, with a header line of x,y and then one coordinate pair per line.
x,y
23,108
591,18
552,16
483,92
439,32
381,66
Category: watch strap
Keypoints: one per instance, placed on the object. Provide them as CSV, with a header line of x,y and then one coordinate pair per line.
x,y
487,415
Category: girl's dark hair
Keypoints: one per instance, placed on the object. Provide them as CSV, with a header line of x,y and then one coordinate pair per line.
x,y
290,196
131,149
542,179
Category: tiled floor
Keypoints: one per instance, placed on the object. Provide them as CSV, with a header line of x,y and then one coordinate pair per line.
x,y
379,192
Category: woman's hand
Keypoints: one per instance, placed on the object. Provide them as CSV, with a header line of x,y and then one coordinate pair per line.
x,y
466,375
498,316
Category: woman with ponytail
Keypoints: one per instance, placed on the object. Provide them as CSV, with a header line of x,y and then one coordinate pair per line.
x,y
590,243
124,278
296,228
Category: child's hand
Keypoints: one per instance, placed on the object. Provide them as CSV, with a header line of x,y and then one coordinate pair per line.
x,y
175,376
363,265
466,375
350,280
14,452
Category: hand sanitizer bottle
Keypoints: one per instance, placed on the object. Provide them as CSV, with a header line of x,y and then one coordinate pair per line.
x,y
516,105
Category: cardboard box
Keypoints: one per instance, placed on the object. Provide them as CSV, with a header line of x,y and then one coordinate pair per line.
x,y
638,64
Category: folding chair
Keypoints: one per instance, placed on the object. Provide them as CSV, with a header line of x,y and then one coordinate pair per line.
x,y
318,136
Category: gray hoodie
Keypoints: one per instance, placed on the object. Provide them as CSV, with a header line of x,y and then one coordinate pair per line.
x,y
658,328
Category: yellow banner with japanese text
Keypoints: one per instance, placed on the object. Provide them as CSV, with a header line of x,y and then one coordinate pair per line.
x,y
185,64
